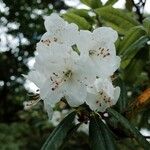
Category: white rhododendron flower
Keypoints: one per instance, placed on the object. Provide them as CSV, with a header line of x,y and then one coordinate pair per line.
x,y
59,71
59,31
65,75
99,47
102,95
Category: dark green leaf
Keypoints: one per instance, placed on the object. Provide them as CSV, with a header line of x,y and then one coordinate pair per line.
x,y
80,21
132,71
116,18
122,101
92,3
57,137
132,50
100,135
70,134
125,123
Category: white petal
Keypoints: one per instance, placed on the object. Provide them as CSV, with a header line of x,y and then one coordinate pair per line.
x,y
105,85
48,109
54,22
87,72
116,95
50,96
91,101
76,93
84,42
36,77
105,34
59,31
105,97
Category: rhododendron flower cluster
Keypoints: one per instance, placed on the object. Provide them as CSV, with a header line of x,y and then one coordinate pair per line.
x,y
76,65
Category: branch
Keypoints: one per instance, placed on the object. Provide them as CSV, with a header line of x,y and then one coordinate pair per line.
x,y
138,10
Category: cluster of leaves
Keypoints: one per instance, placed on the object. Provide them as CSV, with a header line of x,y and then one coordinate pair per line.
x,y
28,130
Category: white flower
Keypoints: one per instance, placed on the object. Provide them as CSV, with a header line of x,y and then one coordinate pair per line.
x,y
39,80
99,48
102,95
62,74
59,31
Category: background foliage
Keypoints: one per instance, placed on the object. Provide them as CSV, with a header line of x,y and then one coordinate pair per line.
x,y
21,129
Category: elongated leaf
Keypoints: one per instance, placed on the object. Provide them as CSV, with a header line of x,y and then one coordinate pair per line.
x,y
122,101
92,3
132,71
56,138
82,13
125,123
116,18
132,50
146,23
100,135
80,21
110,2
130,37
70,133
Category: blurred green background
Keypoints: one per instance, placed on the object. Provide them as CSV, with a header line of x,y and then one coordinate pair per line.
x,y
21,26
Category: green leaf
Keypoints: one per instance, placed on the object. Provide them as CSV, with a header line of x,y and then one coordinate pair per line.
x,y
132,50
146,24
100,135
122,101
116,18
80,21
57,137
92,3
134,70
130,37
125,123
82,13
70,134
110,2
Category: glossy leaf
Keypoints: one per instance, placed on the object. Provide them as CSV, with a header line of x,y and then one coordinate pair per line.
x,y
125,123
116,18
57,137
100,135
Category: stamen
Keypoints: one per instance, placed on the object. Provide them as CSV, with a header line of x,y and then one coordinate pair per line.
x,y
59,79
30,104
101,52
